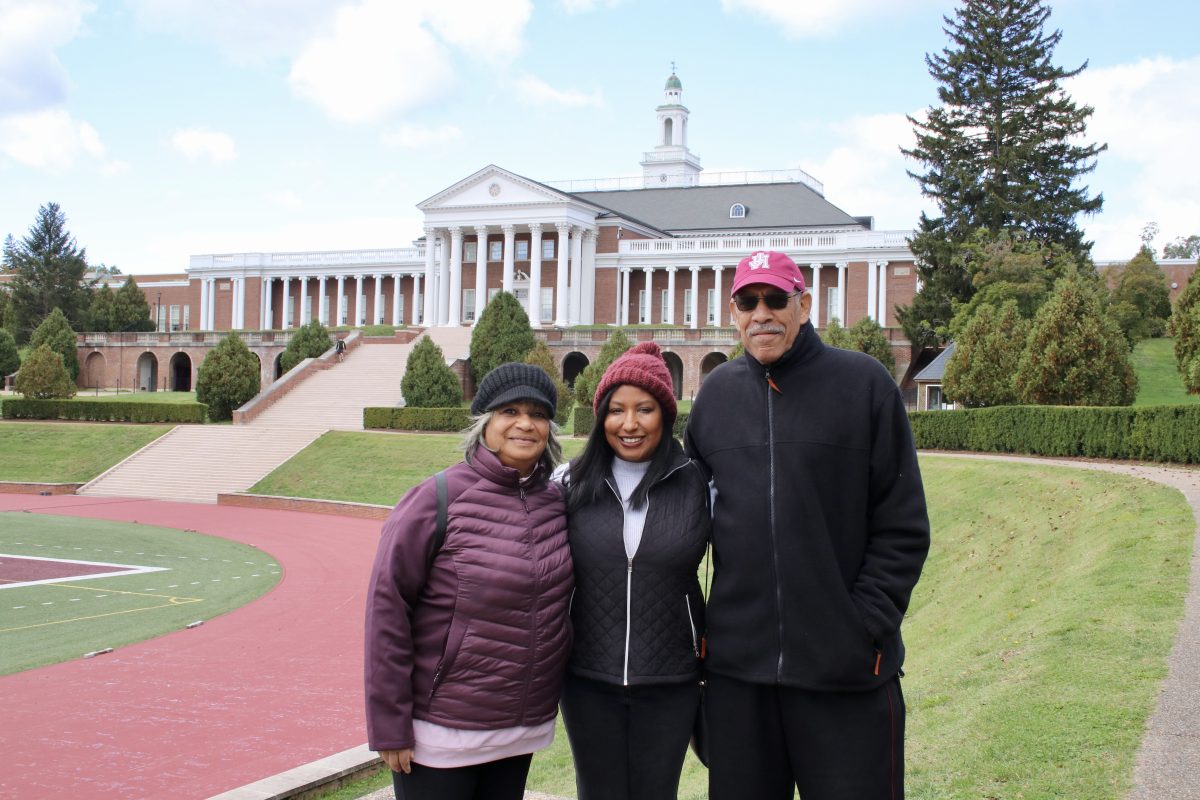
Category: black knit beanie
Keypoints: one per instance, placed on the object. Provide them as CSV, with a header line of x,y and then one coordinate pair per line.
x,y
511,382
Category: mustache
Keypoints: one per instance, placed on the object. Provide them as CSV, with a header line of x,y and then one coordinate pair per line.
x,y
766,327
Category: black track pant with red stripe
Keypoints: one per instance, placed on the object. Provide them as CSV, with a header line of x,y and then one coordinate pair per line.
x,y
767,739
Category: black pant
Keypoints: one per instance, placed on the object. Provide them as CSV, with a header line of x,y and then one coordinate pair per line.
x,y
628,742
495,780
767,739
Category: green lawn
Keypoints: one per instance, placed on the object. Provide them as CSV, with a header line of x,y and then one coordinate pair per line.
x,y
68,452
138,397
205,577
1159,382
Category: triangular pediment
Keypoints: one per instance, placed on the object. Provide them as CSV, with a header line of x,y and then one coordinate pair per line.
x,y
493,186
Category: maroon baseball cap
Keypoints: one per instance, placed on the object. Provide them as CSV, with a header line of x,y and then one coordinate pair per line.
x,y
769,267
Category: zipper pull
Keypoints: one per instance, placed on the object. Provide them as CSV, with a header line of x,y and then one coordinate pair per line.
x,y
772,384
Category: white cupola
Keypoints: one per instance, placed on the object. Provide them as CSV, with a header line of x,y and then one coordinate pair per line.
x,y
671,163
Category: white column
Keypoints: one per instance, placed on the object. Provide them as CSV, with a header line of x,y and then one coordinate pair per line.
x,y
881,316
287,302
268,312
719,301
360,297
396,298
576,301
416,292
481,234
588,289
872,290
816,295
623,304
304,307
241,303
443,308
341,299
561,289
535,274
203,306
649,296
322,305
233,293
843,273
454,311
695,297
212,304
428,300
670,320
510,243
377,306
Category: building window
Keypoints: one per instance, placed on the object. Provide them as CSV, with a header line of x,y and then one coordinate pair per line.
x,y
687,306
496,251
470,251
175,319
399,320
161,322
419,297
345,307
662,305
547,248
468,304
737,211
547,312
933,399
710,313
833,305
492,292
308,301
643,311
187,318
522,249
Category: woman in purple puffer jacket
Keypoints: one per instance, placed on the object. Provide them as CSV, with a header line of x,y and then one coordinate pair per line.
x,y
466,646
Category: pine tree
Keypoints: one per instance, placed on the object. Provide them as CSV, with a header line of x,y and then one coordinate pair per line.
x,y
43,376
50,272
1000,152
427,381
501,335
102,311
131,310
540,356
1141,300
1185,327
980,372
867,337
309,341
587,381
56,332
10,359
1076,355
836,336
228,378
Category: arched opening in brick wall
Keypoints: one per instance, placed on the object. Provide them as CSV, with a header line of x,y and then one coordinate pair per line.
x,y
147,373
94,371
181,373
711,362
277,372
573,364
258,361
675,365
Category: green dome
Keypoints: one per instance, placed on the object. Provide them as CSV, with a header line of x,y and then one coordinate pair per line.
x,y
673,83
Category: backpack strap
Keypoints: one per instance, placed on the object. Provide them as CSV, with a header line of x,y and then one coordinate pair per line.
x,y
439,533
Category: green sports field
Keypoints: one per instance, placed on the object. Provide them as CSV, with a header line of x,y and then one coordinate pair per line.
x,y
198,577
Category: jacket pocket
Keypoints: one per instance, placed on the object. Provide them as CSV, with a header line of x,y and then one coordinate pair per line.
x,y
454,640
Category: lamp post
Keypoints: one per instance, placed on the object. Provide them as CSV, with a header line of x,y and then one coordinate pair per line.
x,y
157,304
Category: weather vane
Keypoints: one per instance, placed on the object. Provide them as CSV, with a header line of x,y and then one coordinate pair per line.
x,y
672,67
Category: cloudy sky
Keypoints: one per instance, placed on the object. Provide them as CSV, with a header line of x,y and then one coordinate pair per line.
x,y
166,128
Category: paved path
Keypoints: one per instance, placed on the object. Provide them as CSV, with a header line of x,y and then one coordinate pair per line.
x,y
1168,764
268,687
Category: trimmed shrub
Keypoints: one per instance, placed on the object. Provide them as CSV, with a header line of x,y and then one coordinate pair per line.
x,y
228,378
43,376
104,411
410,418
310,341
56,332
427,381
501,335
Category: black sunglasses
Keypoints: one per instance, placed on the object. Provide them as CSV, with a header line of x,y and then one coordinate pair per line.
x,y
776,301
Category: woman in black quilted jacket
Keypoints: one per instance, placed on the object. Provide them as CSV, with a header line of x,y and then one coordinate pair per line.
x,y
639,524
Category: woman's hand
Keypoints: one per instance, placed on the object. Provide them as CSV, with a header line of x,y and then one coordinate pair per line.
x,y
398,760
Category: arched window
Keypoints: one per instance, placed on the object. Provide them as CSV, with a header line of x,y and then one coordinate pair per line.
x,y
737,211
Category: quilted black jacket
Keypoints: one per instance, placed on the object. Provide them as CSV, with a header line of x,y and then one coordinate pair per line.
x,y
640,620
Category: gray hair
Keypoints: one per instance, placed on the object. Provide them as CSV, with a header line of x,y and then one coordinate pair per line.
x,y
472,437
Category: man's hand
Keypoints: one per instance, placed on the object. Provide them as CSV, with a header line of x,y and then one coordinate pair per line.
x,y
398,760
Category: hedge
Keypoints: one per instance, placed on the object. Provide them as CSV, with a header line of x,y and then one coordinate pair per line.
x,y
585,419
1153,433
103,410
417,419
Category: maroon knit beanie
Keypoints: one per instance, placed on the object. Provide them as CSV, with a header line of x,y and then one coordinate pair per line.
x,y
642,366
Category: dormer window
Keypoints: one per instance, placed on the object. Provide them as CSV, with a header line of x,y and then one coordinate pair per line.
x,y
737,211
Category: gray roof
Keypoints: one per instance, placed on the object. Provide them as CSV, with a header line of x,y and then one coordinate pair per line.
x,y
706,208
937,368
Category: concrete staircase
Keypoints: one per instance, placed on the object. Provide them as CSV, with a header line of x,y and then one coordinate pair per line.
x,y
194,463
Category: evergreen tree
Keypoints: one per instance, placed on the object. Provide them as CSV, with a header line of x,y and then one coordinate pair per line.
x,y
587,381
10,359
309,341
540,356
1002,151
43,376
228,378
428,382
131,310
1185,327
836,336
50,272
982,368
1076,355
867,337
501,335
1141,300
102,311
56,332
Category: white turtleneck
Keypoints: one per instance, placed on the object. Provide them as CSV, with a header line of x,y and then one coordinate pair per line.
x,y
627,475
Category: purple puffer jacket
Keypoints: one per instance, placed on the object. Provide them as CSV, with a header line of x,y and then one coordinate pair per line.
x,y
479,641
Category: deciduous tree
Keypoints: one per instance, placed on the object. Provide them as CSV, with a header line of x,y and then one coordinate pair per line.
x,y
1141,300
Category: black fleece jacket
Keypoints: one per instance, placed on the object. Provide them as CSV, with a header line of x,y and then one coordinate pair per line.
x,y
820,528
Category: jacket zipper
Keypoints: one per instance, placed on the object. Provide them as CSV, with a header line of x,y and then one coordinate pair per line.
x,y
771,517
536,597
692,624
628,598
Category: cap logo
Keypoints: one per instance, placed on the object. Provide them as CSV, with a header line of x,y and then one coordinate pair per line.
x,y
760,260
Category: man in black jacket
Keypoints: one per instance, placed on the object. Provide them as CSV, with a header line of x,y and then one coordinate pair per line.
x,y
819,534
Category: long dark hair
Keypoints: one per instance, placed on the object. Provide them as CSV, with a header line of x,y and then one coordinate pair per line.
x,y
592,467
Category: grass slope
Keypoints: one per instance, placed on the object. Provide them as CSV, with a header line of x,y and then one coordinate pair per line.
x,y
1159,382
65,452
206,576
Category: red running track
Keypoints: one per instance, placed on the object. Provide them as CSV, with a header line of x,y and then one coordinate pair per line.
x,y
263,689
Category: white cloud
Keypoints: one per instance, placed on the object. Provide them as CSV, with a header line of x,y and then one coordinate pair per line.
x,y
197,143
587,6
416,136
285,198
489,29
49,140
113,168
818,17
535,91
1148,112
31,76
